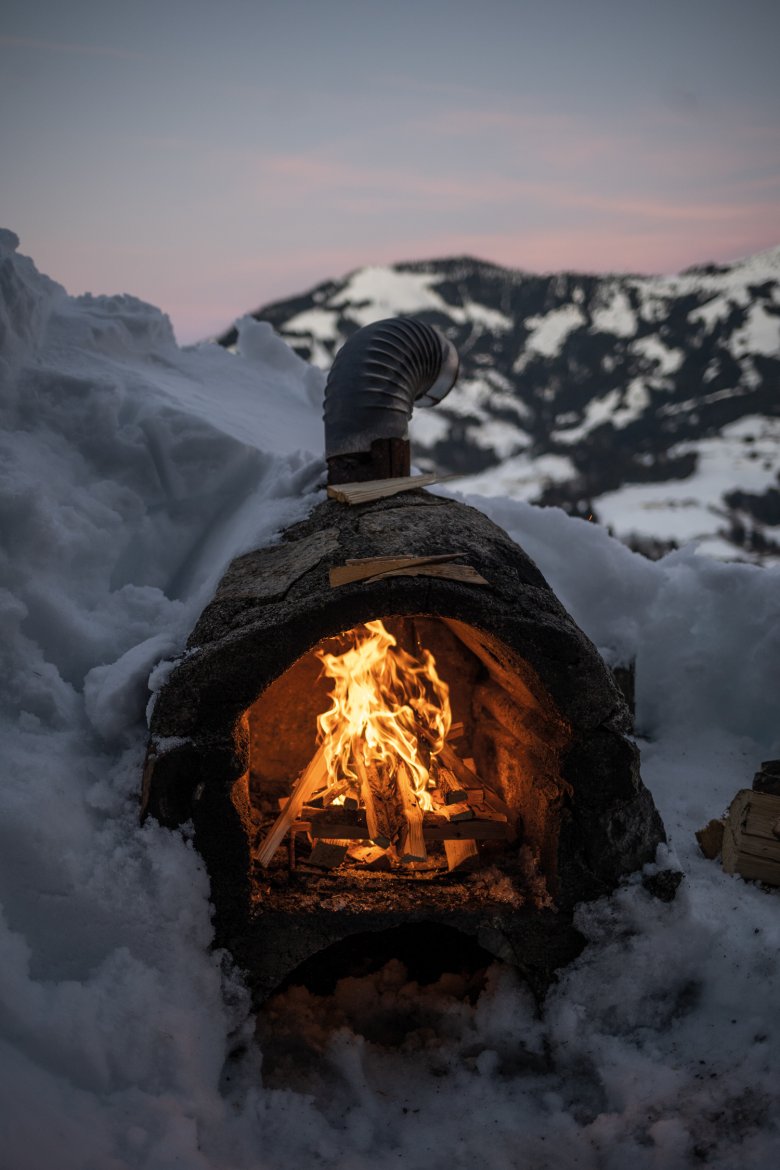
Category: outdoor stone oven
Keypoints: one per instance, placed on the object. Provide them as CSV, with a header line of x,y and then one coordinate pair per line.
x,y
539,746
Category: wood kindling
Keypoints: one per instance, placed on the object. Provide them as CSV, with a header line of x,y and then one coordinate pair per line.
x,y
751,838
328,854
459,853
437,828
367,568
311,778
452,791
466,778
378,489
378,820
412,844
337,823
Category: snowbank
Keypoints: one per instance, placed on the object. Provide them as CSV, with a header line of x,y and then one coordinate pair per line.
x,y
132,471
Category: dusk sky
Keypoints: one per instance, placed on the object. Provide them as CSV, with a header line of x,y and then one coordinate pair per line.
x,y
211,157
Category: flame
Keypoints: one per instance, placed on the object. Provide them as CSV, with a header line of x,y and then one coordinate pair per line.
x,y
381,696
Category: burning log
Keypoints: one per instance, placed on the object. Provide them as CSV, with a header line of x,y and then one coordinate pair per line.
x,y
465,776
462,811
451,790
312,777
380,823
412,845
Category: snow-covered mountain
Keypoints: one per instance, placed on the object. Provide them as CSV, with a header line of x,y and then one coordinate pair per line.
x,y
650,403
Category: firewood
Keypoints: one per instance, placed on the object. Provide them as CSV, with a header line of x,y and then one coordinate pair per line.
x,y
368,568
452,792
371,856
710,839
328,854
338,822
459,853
467,778
751,838
456,730
377,489
484,812
309,780
466,574
438,828
380,830
458,812
412,845
335,790
475,795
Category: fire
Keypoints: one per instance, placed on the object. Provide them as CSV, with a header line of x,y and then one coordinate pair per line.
x,y
381,696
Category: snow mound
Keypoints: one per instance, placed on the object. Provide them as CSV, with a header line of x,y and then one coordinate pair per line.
x,y
132,472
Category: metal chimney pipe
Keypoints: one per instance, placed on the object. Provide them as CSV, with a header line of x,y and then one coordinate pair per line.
x,y
378,376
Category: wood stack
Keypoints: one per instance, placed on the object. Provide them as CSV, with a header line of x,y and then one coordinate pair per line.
x,y
390,826
748,837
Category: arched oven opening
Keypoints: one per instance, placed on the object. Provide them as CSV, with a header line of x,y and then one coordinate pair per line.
x,y
412,754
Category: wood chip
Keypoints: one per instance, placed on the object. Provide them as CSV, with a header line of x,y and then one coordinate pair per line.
x,y
412,843
310,779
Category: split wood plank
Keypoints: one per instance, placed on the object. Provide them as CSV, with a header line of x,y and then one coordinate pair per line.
x,y
452,791
412,846
467,778
312,777
751,838
459,853
451,572
328,854
365,568
336,823
438,828
371,856
377,820
457,812
378,489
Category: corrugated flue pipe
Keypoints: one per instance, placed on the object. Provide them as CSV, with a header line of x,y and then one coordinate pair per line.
x,y
378,376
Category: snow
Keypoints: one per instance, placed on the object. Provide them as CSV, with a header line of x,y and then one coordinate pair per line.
x,y
132,472
521,476
548,333
616,315
744,456
666,361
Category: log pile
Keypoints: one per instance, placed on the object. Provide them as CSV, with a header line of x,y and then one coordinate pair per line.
x,y
748,836
380,824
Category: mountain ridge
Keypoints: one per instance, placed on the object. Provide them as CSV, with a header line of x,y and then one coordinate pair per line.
x,y
651,403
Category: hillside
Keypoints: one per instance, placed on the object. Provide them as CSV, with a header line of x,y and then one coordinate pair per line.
x,y
651,404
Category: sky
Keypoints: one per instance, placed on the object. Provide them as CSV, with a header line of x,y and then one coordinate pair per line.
x,y
212,157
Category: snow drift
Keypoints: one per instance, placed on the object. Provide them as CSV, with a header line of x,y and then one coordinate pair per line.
x,y
132,471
